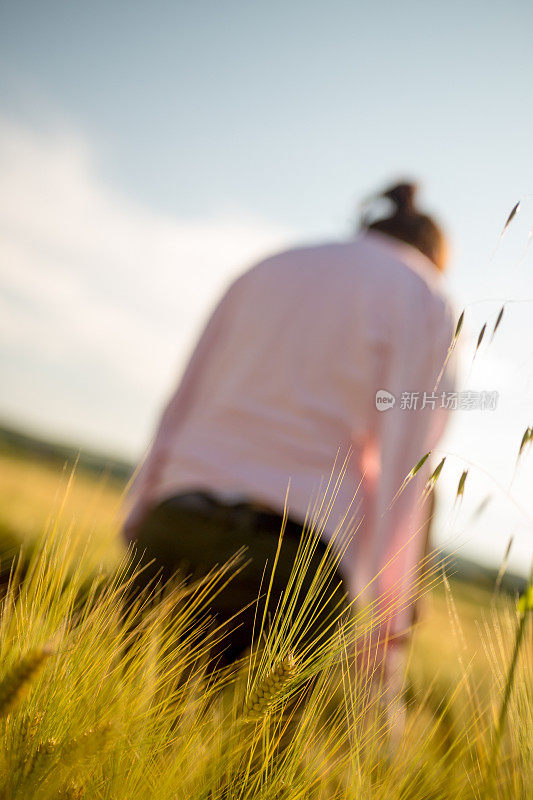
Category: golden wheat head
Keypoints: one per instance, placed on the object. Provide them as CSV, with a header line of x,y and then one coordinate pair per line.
x,y
265,694
17,682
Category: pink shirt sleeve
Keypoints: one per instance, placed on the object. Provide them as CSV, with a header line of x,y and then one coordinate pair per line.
x,y
403,436
141,490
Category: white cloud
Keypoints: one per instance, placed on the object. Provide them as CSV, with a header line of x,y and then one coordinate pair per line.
x,y
98,286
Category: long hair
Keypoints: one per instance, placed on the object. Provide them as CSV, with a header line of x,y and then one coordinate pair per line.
x,y
409,225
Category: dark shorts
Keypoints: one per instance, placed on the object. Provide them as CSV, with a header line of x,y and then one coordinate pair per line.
x,y
195,532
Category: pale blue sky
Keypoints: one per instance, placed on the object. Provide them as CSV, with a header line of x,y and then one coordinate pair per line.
x,y
286,108
151,150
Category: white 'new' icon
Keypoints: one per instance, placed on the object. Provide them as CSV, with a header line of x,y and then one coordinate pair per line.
x,y
384,400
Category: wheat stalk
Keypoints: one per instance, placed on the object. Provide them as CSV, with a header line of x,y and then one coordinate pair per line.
x,y
53,759
40,764
525,607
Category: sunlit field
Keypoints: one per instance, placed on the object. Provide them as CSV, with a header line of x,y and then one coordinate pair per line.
x,y
105,698
34,496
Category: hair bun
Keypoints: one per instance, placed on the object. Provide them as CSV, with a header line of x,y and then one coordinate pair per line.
x,y
403,197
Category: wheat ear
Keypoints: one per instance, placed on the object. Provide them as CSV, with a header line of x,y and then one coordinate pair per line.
x,y
17,682
86,745
265,694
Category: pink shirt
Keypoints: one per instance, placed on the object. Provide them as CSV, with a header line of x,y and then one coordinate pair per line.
x,y
282,388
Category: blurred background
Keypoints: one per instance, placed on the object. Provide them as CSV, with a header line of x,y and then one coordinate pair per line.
x,y
149,152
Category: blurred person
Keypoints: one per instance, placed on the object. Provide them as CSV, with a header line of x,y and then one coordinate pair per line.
x,y
285,385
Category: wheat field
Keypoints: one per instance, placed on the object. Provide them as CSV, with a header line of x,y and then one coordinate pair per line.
x,y
102,697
